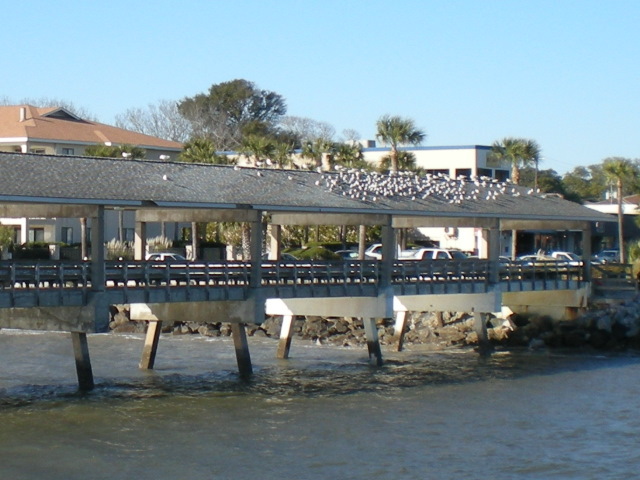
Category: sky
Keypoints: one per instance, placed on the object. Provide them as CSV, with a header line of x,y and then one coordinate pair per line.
x,y
564,73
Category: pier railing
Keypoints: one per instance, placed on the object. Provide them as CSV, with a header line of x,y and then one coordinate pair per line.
x,y
21,279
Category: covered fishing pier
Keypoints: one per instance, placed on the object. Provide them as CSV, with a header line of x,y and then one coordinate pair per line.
x,y
76,296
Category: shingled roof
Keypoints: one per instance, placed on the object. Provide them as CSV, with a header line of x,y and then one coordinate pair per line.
x,y
58,124
37,178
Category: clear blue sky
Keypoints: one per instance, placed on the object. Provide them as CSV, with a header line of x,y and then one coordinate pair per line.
x,y
565,73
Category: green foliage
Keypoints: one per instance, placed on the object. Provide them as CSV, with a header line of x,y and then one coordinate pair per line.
x,y
202,150
6,236
232,110
406,162
32,251
589,184
397,131
517,152
115,151
316,252
257,149
350,155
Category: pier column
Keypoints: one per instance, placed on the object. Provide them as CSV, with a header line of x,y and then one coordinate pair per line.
x,y
398,329
242,349
83,362
586,251
480,327
151,345
275,236
373,343
286,333
97,297
140,241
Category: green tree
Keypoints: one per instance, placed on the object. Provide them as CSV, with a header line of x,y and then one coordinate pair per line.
x,y
257,149
587,183
518,153
349,155
231,110
406,161
316,150
618,170
397,131
202,150
115,151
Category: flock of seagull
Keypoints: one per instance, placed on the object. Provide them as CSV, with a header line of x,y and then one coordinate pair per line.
x,y
371,186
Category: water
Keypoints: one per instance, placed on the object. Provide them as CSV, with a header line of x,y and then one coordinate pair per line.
x,y
324,413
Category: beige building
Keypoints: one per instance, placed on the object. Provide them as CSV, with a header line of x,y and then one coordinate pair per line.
x,y
56,131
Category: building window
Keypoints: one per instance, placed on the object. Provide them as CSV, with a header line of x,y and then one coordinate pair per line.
x,y
434,171
36,150
485,172
463,172
502,175
36,235
66,235
67,151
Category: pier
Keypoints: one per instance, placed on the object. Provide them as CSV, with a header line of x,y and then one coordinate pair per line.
x,y
76,296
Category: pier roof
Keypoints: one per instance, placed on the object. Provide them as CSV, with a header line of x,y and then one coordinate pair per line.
x,y
69,180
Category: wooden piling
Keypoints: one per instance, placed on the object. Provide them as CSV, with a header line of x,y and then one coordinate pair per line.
x,y
480,327
151,345
373,343
286,333
83,362
398,329
242,349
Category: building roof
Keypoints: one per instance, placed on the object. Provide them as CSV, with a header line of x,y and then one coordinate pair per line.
x,y
117,182
55,124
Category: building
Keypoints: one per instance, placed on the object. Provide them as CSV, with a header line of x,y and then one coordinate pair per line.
x,y
56,131
606,234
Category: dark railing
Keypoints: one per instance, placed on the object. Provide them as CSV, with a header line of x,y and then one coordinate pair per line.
x,y
141,274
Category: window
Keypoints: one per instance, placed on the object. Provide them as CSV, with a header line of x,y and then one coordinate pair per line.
x,y
485,172
66,235
36,235
463,172
502,175
36,150
129,234
67,151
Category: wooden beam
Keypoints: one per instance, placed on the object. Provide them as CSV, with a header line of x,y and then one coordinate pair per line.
x,y
196,215
151,345
406,221
46,211
83,361
507,224
328,219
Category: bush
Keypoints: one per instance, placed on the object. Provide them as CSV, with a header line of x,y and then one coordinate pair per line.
x,y
315,253
117,250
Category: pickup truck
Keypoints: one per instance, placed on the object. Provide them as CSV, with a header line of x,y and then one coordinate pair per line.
x,y
428,253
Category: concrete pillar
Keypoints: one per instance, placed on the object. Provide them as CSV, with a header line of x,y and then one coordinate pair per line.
x,y
586,252
242,349
275,237
286,333
480,327
493,250
373,343
83,362
97,295
151,345
140,241
398,329
388,255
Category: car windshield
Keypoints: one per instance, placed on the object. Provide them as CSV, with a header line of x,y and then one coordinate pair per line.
x,y
458,255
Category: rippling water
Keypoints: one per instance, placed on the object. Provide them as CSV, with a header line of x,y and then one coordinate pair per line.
x,y
324,413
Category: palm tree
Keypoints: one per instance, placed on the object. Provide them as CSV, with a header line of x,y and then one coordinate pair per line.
x,y
620,170
257,149
512,151
202,150
397,131
532,155
317,150
406,161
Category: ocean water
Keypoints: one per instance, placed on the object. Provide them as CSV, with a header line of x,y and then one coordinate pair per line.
x,y
323,413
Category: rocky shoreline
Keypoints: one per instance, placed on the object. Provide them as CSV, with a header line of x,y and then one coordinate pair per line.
x,y
615,327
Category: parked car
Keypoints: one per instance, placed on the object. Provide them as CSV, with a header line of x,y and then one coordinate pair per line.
x,y
165,257
567,258
429,253
606,256
374,251
348,254
285,257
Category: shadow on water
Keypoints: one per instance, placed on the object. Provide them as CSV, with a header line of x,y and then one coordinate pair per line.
x,y
312,376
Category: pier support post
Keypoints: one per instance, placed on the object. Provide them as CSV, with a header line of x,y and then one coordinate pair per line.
x,y
83,362
151,345
373,343
242,349
398,329
286,333
480,327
